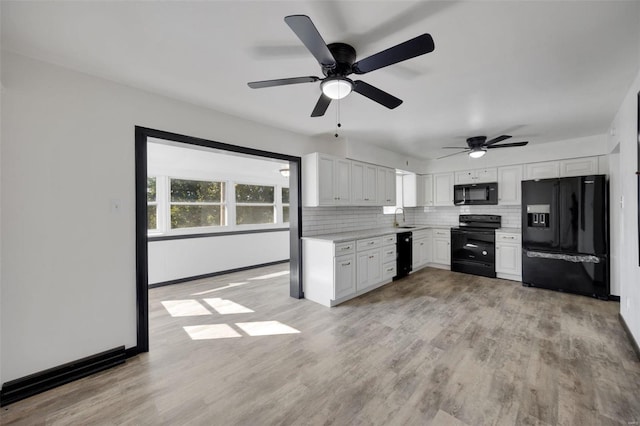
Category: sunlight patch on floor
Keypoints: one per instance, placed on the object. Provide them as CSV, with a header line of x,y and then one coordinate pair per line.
x,y
185,308
266,328
211,331
225,307
267,276
230,285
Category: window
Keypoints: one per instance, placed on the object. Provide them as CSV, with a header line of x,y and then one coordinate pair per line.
x,y
255,204
195,203
152,204
285,205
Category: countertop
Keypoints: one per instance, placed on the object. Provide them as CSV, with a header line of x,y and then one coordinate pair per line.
x,y
369,233
378,232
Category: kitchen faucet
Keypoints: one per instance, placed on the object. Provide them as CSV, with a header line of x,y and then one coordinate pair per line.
x,y
395,217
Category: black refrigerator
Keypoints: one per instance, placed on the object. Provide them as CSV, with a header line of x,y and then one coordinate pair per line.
x,y
565,226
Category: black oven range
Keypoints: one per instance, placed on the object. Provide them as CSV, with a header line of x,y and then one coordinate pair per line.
x,y
473,244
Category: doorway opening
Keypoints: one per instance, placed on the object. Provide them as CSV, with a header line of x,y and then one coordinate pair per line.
x,y
146,210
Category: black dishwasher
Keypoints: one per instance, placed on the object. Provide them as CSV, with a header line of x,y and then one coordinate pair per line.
x,y
405,253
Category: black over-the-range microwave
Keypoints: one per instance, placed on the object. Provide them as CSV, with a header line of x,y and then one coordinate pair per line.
x,y
475,193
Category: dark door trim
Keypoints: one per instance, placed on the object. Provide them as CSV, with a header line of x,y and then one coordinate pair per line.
x,y
142,273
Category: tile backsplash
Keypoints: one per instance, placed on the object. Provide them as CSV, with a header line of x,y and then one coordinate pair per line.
x,y
330,220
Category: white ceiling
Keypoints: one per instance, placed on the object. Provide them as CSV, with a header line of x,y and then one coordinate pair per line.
x,y
541,70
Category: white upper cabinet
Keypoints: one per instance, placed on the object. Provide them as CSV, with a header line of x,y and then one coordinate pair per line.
x,y
326,180
476,176
509,188
426,196
409,190
443,189
579,167
545,170
386,186
364,182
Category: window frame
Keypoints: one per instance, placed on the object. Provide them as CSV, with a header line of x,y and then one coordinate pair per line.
x,y
273,205
168,230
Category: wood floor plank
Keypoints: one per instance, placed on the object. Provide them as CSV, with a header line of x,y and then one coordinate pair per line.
x,y
437,347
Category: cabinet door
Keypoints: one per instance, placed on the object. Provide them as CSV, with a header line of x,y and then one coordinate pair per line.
x,y
362,273
486,175
443,189
369,271
375,267
390,188
508,259
409,188
345,276
546,170
441,251
579,167
357,183
382,187
342,182
370,184
326,171
428,189
416,261
509,188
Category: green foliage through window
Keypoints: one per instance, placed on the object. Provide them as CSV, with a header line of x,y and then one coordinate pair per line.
x,y
185,216
193,191
254,194
151,189
152,217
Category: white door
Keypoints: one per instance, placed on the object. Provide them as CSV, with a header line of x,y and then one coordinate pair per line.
x,y
509,185
342,182
357,183
325,181
441,251
443,189
345,276
508,259
370,184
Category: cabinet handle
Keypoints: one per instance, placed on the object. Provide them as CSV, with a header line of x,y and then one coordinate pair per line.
x,y
389,269
346,264
345,248
370,257
371,242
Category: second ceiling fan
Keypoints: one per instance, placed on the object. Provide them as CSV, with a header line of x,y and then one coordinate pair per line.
x,y
338,60
477,146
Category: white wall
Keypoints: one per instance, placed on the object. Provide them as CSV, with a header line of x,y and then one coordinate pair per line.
x,y
626,135
68,275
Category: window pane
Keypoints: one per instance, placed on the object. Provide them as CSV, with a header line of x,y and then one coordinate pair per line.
x,y
254,214
194,216
151,189
254,194
152,217
285,195
196,191
285,214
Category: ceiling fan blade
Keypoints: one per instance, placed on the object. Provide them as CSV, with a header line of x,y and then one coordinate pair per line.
x,y
311,38
496,140
375,94
455,153
282,82
321,106
455,147
401,52
507,145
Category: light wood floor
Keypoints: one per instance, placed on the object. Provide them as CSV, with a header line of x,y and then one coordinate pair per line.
x,y
435,348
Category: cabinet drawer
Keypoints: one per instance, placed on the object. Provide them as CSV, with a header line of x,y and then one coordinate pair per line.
x,y
388,254
369,243
424,233
440,233
389,270
389,239
504,237
344,248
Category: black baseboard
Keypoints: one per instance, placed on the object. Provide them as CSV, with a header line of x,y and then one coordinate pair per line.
x,y
215,274
634,344
131,352
18,389
614,298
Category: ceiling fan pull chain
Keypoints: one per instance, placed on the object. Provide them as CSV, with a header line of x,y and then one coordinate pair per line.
x,y
337,118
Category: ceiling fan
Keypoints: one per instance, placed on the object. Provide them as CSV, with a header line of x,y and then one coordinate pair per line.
x,y
338,60
478,145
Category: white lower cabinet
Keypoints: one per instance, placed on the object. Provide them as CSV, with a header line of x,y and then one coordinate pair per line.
x,y
335,272
369,269
509,255
442,248
421,249
344,270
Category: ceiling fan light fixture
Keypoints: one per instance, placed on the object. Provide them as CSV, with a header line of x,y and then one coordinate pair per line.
x,y
336,87
477,152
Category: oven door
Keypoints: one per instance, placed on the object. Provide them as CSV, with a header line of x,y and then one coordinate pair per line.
x,y
473,252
